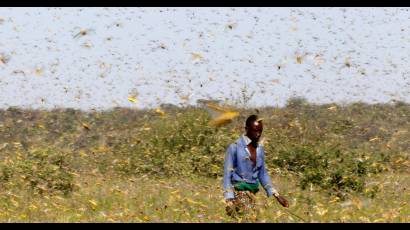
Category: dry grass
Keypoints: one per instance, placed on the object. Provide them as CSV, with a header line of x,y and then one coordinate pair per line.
x,y
102,198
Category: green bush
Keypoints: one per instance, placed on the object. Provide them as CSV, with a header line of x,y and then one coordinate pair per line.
x,y
180,145
44,171
336,171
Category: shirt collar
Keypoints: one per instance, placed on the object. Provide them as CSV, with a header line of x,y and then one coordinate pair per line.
x,y
246,139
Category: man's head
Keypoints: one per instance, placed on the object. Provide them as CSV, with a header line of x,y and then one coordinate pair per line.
x,y
254,128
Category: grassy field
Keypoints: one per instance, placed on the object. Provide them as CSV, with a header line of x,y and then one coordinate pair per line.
x,y
198,199
334,163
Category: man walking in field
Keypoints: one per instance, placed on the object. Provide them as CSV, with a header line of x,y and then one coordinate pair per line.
x,y
244,169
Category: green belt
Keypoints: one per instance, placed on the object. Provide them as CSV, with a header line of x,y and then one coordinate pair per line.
x,y
243,186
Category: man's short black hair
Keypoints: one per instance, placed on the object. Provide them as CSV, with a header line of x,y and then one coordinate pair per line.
x,y
251,119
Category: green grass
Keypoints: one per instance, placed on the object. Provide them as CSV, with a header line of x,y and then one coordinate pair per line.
x,y
334,163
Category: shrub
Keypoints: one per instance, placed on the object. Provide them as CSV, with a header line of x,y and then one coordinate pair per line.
x,y
338,172
179,145
45,171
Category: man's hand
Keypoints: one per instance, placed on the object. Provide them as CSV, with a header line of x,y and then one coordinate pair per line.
x,y
230,207
229,201
282,201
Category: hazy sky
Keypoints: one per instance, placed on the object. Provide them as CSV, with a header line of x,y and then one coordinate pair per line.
x,y
179,55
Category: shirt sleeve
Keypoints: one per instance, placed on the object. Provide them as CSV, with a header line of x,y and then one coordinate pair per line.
x,y
228,170
265,179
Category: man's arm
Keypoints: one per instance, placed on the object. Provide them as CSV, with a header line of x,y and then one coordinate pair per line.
x,y
228,170
266,182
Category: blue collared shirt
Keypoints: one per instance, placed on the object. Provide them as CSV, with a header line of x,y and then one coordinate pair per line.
x,y
239,167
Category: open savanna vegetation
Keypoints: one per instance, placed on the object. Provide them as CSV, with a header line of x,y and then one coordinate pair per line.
x,y
334,163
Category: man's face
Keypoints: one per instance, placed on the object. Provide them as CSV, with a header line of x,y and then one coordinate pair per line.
x,y
254,132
